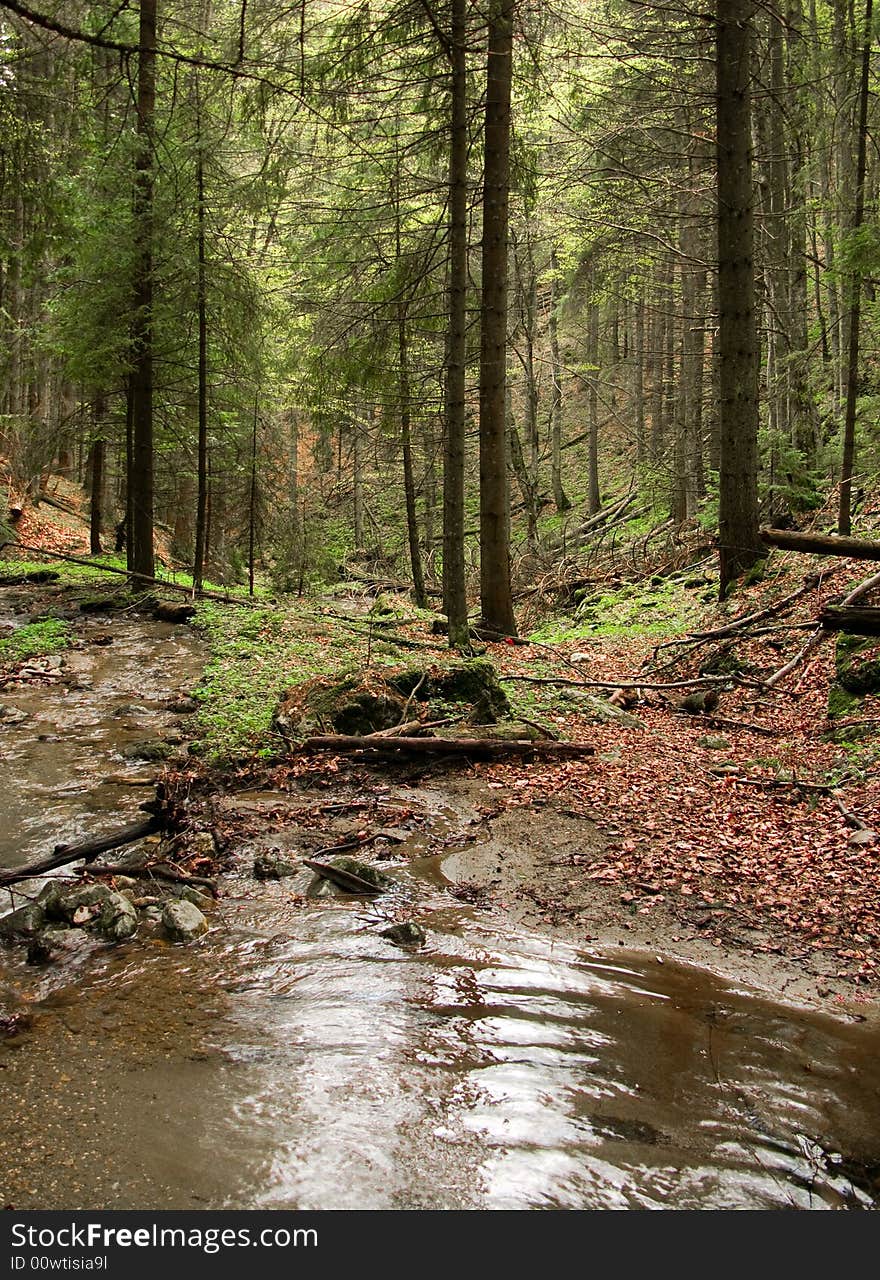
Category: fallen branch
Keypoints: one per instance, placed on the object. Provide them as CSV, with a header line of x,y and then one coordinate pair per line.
x,y
817,544
634,683
345,743
854,621
815,639
861,590
344,879
86,851
721,723
155,871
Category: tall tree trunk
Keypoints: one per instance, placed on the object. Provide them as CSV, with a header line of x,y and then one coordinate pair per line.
x,y
454,597
409,484
140,480
495,594
96,468
202,307
738,541
594,497
560,500
844,520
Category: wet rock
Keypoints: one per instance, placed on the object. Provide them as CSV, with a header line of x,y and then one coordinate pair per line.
x,y
86,902
405,934
129,709
152,913
182,920
118,919
273,865
148,751
200,844
56,943
182,706
600,711
165,611
24,922
11,716
189,893
353,867
370,876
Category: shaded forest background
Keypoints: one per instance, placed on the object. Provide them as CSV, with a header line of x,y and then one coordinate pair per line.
x,y
246,282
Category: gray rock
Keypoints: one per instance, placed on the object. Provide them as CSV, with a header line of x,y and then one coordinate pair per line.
x,y
405,934
200,844
714,742
12,715
118,919
188,893
182,920
273,865
152,913
24,922
147,751
55,944
863,838
77,905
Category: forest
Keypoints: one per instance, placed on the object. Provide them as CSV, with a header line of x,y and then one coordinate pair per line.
x,y
439,540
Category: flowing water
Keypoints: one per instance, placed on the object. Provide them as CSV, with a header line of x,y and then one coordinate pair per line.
x,y
294,1058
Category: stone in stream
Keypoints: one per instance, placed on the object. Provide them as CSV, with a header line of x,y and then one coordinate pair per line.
x,y
405,934
273,865
22,923
182,920
69,905
148,751
189,893
55,943
118,919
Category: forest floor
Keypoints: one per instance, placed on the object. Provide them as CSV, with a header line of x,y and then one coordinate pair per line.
x,y
738,837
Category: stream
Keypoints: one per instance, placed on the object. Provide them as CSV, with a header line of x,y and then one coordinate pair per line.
x,y
294,1058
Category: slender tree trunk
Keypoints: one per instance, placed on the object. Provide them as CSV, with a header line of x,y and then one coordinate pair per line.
x,y
140,480
560,500
96,468
739,543
495,594
252,513
454,597
844,520
639,379
594,497
409,484
202,306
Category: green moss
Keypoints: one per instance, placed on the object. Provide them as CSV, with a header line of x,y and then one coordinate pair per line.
x,y
651,608
35,640
857,662
840,702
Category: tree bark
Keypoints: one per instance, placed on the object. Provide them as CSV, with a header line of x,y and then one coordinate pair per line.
x,y
738,541
495,594
454,597
140,479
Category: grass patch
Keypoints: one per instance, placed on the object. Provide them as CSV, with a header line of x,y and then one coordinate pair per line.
x,y
35,640
652,608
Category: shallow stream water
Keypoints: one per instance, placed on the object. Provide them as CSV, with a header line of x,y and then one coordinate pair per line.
x,y
294,1058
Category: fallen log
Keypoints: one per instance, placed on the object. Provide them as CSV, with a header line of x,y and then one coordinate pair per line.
x,y
819,544
863,621
346,880
345,743
86,851
154,871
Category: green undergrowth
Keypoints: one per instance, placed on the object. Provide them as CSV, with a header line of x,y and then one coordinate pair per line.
x,y
35,640
255,655
656,607
95,574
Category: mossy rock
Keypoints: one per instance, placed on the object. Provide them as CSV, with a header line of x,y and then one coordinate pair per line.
x,y
857,662
841,702
755,574
474,682
348,706
724,661
105,604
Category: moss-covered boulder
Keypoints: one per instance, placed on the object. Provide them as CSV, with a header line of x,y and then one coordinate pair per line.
x,y
857,663
25,922
473,682
350,706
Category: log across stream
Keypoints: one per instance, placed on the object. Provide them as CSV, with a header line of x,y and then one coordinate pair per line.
x,y
296,1058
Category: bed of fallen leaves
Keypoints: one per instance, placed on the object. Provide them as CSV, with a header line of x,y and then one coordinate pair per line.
x,y
688,823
